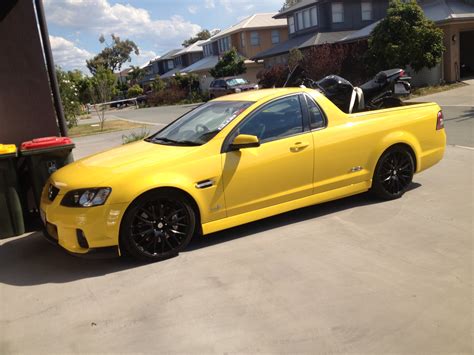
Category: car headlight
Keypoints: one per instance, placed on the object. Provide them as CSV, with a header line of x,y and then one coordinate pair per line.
x,y
256,87
86,197
237,90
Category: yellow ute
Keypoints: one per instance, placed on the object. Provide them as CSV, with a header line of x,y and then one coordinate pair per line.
x,y
234,160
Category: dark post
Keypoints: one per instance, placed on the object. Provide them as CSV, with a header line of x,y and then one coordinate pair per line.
x,y
50,66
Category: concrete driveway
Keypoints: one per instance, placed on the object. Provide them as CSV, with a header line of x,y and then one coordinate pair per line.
x,y
458,109
351,276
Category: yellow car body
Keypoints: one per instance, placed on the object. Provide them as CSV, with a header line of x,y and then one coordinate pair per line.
x,y
311,167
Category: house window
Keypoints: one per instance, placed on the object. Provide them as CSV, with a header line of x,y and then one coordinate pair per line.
x,y
291,24
337,12
314,16
275,36
242,39
254,38
170,64
299,17
366,10
207,50
224,44
307,18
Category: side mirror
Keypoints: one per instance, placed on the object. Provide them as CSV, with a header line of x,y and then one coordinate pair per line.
x,y
244,141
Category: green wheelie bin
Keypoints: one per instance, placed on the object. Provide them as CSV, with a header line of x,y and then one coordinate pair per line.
x,y
11,213
43,157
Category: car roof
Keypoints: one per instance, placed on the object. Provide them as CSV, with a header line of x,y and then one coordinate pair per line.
x,y
257,95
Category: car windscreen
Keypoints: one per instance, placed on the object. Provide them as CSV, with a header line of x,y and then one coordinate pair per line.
x,y
236,81
200,125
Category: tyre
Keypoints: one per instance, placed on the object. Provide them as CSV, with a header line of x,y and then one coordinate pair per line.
x,y
157,226
393,173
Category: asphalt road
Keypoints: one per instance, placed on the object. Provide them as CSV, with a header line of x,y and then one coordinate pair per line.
x,y
350,276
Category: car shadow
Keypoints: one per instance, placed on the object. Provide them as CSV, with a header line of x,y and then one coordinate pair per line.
x,y
31,260
284,219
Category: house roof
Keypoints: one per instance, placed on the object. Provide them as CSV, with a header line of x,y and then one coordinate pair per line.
x,y
304,3
205,63
359,34
195,47
445,10
170,54
308,40
172,72
439,11
256,21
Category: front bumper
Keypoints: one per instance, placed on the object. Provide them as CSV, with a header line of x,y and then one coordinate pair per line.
x,y
91,231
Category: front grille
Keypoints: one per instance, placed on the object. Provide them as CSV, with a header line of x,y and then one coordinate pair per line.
x,y
53,191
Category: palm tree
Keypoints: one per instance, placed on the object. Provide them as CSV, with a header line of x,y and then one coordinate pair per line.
x,y
135,74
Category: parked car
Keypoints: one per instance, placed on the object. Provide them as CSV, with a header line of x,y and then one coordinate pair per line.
x,y
234,160
229,85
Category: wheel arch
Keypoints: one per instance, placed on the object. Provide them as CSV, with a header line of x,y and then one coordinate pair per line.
x,y
402,139
186,194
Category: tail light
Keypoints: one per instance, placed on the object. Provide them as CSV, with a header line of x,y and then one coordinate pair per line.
x,y
440,121
402,73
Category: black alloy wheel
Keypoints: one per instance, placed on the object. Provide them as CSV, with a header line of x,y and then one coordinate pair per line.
x,y
393,174
157,226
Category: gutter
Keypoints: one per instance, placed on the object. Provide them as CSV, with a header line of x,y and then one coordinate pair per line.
x,y
43,28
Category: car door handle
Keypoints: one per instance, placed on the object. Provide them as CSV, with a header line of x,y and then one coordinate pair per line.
x,y
299,146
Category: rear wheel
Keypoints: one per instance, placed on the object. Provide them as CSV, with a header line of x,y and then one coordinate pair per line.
x,y
157,226
393,173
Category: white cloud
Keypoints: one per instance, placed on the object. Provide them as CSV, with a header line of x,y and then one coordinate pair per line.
x,y
209,4
67,55
193,9
143,58
99,16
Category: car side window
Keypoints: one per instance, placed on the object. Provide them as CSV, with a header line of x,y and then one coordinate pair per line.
x,y
276,120
316,117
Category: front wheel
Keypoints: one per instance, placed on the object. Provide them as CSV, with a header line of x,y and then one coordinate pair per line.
x,y
157,226
393,173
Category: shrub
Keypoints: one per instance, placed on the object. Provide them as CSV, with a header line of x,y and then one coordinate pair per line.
x,y
273,77
158,84
170,96
135,136
134,91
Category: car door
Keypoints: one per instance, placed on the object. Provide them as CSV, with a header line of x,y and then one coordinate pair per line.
x,y
280,169
341,152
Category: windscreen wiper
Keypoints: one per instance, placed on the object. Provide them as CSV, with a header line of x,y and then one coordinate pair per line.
x,y
172,141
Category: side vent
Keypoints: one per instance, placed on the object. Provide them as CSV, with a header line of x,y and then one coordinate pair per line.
x,y
204,184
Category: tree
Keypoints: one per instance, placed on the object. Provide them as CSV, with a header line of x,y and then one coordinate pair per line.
x,y
69,96
322,60
230,64
289,3
135,74
101,91
113,55
405,37
203,35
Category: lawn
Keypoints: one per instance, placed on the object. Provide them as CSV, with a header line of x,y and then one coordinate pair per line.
x,y
109,126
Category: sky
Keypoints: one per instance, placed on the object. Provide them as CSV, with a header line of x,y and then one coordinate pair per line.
x,y
155,26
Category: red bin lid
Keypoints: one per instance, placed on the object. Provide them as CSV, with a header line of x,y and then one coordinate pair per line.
x,y
45,142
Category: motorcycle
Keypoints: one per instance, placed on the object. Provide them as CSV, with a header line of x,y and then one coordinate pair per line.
x,y
383,91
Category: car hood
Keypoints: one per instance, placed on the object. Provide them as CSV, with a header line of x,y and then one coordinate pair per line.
x,y
96,170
